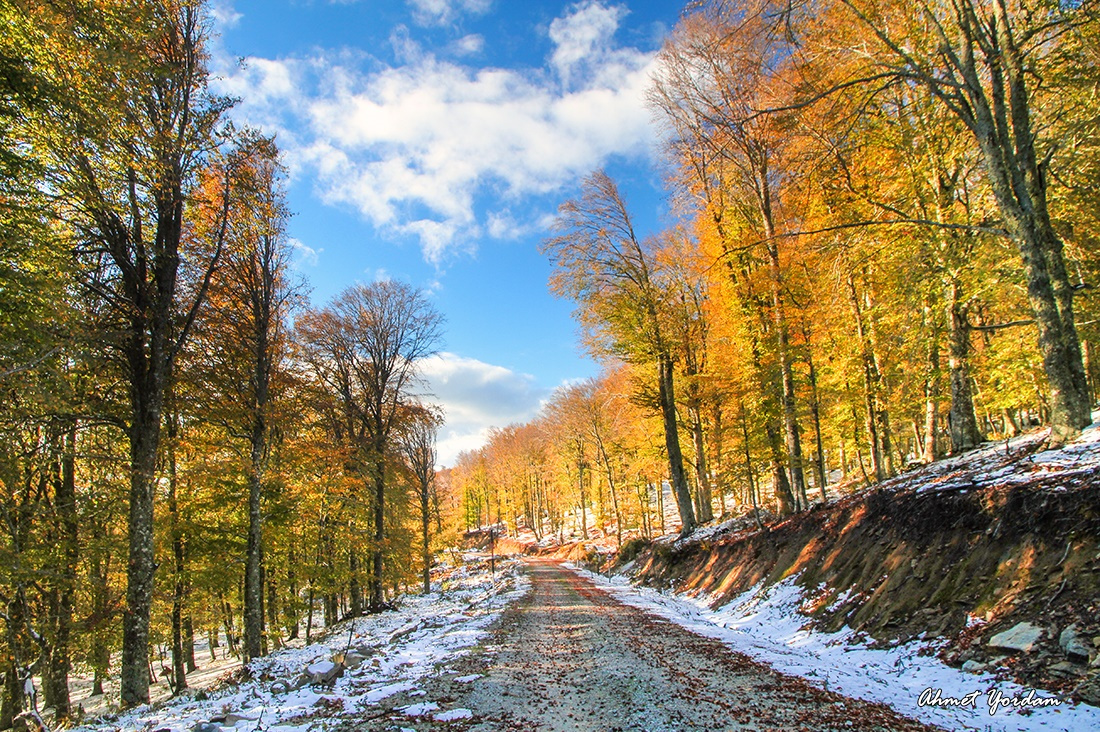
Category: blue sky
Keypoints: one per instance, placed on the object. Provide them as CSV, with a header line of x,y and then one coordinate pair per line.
x,y
431,141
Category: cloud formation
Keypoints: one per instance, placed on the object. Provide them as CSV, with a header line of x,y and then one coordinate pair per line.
x,y
476,397
419,147
445,12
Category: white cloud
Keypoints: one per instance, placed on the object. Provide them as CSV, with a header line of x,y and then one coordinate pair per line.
x,y
468,45
477,396
445,12
224,14
304,255
583,36
417,147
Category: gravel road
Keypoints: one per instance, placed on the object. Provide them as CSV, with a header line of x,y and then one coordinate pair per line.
x,y
570,657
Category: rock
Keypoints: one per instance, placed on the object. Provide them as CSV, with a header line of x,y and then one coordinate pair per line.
x,y
1067,668
302,680
206,727
280,686
1020,637
974,667
1089,690
324,672
1072,643
231,719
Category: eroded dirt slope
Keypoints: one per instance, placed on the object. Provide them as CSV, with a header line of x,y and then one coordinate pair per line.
x,y
962,554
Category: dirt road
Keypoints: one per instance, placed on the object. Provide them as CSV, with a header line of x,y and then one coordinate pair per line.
x,y
570,657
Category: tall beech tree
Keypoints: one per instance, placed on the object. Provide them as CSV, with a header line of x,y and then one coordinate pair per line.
x,y
241,347
122,155
723,64
601,263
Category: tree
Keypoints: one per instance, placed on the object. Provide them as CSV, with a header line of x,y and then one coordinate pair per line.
x,y
984,61
600,262
363,351
723,64
241,344
122,156
418,447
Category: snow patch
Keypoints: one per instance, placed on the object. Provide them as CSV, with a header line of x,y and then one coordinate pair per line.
x,y
441,628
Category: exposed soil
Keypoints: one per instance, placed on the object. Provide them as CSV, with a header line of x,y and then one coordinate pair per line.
x,y
914,561
570,657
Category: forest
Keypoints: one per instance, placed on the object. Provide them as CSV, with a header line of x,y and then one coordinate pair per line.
x,y
883,251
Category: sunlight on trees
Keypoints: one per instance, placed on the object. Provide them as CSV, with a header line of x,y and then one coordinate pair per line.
x,y
883,250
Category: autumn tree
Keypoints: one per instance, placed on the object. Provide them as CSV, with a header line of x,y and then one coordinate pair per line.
x,y
121,154
601,263
240,350
723,64
983,60
363,351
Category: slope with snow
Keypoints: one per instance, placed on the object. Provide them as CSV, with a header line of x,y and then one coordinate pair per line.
x,y
423,635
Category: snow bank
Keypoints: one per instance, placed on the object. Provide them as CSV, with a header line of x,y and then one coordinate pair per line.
x,y
766,623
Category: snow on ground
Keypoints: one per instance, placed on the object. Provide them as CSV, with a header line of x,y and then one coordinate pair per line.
x,y
408,644
766,624
998,463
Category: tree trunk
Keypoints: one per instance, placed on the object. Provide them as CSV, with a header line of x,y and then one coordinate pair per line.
x,y
99,581
783,494
425,525
271,606
253,582
146,398
355,591
820,475
377,597
705,508
55,678
870,384
965,434
179,672
189,643
749,473
293,602
1004,132
583,498
309,615
719,463
667,397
